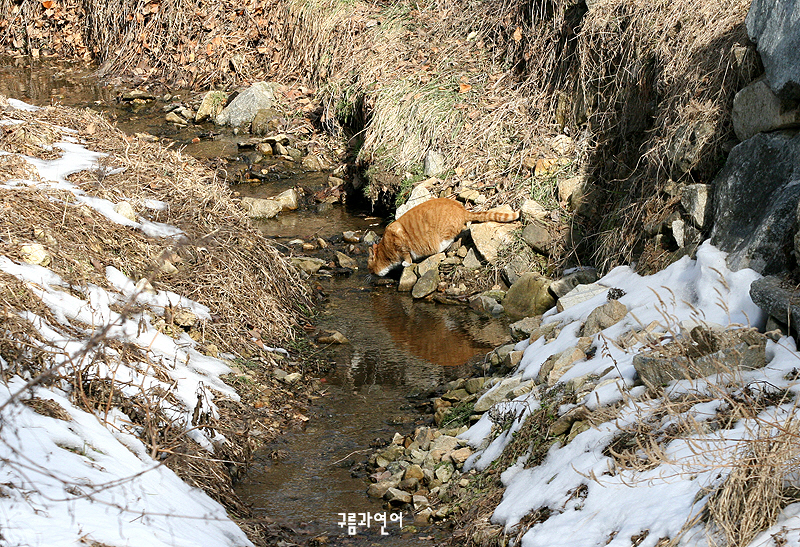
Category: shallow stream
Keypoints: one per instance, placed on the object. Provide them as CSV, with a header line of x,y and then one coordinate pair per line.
x,y
396,347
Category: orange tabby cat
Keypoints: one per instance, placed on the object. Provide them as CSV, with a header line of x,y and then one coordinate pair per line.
x,y
424,230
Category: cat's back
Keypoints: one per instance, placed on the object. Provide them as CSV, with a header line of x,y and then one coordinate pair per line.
x,y
431,223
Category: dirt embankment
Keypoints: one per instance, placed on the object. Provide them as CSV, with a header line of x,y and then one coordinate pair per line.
x,y
643,89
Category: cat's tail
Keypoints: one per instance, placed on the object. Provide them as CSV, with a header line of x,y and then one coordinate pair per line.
x,y
503,214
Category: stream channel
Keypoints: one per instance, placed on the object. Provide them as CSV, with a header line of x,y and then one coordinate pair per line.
x,y
397,346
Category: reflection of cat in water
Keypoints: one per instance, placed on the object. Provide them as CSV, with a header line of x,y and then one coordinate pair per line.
x,y
424,230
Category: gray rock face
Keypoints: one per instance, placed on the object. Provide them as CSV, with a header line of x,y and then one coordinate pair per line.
x,y
538,237
434,164
561,287
775,27
696,201
778,301
244,107
755,202
756,108
490,236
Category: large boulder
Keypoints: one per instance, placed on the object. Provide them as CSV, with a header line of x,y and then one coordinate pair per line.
x,y
528,297
246,105
775,27
757,108
755,202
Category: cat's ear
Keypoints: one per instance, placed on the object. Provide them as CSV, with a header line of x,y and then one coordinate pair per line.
x,y
372,251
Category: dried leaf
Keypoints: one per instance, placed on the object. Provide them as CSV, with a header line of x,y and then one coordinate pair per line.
x,y
463,88
517,35
47,4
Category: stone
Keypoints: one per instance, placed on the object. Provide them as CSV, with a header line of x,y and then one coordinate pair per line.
x,y
444,472
350,236
414,471
755,203
173,117
292,378
603,317
379,489
580,294
564,423
488,237
212,104
474,385
125,209
470,194
397,497
430,263
532,210
264,121
547,330
730,350
775,28
334,337
562,287
484,305
288,199
345,261
528,297
36,254
308,264
563,145
312,162
423,517
244,107
779,300
471,262
538,237
370,238
445,443
420,502
407,279
496,394
757,109
696,201
571,191
514,268
427,284
524,327
419,194
456,395
261,208
434,164
559,364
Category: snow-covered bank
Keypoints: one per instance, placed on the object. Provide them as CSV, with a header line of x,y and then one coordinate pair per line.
x,y
582,492
97,387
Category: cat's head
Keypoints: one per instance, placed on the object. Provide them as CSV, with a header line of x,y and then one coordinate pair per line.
x,y
377,262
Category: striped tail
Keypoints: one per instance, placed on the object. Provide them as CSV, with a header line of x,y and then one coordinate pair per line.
x,y
494,215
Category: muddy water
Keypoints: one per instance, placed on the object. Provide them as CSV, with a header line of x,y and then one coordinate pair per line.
x,y
398,347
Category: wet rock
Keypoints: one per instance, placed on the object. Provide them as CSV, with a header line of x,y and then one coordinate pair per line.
x,y
312,163
528,297
426,284
261,208
350,236
173,117
212,104
345,261
488,237
370,238
580,294
35,254
244,107
137,95
604,316
308,264
264,121
407,279
485,305
335,337
125,209
288,199
567,283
